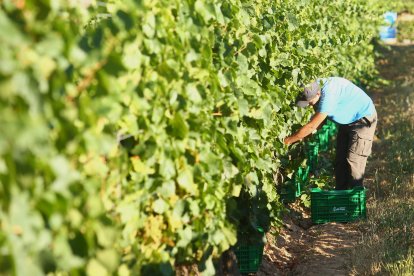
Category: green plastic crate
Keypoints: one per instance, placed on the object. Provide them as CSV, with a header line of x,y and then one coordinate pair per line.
x,y
323,138
301,177
291,190
333,129
302,174
249,250
324,135
249,257
298,181
338,206
287,193
312,150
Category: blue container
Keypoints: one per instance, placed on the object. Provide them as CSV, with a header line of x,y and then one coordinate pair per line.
x,y
390,18
388,33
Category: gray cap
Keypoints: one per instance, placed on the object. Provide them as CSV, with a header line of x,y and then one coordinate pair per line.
x,y
309,92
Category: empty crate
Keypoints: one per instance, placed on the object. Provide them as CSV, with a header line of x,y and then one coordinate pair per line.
x,y
338,206
249,250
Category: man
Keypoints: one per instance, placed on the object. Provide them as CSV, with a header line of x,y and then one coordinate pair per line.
x,y
349,106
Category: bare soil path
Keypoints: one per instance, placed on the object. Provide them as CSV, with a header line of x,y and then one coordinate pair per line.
x,y
319,250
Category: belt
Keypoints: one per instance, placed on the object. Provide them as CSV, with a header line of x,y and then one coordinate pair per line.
x,y
366,121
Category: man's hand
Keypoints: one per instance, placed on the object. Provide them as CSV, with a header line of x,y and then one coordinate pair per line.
x,y
307,129
290,140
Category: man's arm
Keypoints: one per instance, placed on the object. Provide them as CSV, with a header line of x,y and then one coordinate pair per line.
x,y
321,125
307,129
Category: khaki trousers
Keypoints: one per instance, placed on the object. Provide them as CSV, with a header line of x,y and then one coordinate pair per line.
x,y
354,143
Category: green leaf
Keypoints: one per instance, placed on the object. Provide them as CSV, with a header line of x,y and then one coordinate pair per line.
x,y
205,9
132,56
179,126
106,235
195,208
193,94
9,31
185,181
160,206
222,79
218,237
3,166
149,25
243,63
243,107
65,175
140,167
167,189
123,270
230,170
236,190
109,258
208,267
295,74
292,22
94,268
244,17
167,168
94,206
186,236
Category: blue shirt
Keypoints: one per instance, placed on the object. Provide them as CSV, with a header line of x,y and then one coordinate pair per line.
x,y
343,101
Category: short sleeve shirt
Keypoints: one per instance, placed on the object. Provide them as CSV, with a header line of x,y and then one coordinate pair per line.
x,y
344,102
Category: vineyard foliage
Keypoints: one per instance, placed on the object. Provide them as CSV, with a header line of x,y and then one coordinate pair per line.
x,y
134,135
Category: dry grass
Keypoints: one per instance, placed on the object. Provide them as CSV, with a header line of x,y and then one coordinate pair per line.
x,y
387,240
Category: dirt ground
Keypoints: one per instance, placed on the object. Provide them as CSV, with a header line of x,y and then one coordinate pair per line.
x,y
318,250
305,249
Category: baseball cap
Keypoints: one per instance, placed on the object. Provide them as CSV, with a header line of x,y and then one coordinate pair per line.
x,y
308,93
